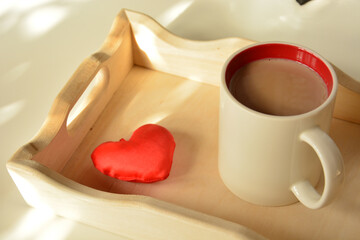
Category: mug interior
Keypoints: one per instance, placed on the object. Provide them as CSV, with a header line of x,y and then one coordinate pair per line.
x,y
284,51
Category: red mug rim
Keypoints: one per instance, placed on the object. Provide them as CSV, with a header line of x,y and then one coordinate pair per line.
x,y
284,51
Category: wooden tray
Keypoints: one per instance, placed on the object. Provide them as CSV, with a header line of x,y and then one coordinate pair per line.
x,y
144,74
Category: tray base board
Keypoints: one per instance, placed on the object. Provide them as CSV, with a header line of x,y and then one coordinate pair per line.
x,y
189,110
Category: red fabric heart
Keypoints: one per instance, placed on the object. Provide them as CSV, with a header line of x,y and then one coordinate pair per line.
x,y
146,157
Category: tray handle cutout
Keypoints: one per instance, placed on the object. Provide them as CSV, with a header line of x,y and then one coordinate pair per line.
x,y
88,99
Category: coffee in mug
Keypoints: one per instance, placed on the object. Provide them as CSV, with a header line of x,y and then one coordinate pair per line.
x,y
278,86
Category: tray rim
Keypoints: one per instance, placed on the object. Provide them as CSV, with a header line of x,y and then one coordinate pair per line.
x,y
22,165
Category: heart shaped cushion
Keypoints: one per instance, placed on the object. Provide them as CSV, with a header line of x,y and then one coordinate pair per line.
x,y
146,157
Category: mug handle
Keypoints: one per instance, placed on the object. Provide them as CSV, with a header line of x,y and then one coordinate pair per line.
x,y
333,167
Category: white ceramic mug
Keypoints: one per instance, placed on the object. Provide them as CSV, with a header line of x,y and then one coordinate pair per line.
x,y
277,160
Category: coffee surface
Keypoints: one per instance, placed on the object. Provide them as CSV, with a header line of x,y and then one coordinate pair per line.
x,y
278,87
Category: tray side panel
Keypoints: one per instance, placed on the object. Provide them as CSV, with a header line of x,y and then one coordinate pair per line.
x,y
113,70
158,49
347,105
136,217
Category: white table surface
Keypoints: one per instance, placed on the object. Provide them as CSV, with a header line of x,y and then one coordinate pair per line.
x,y
43,41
